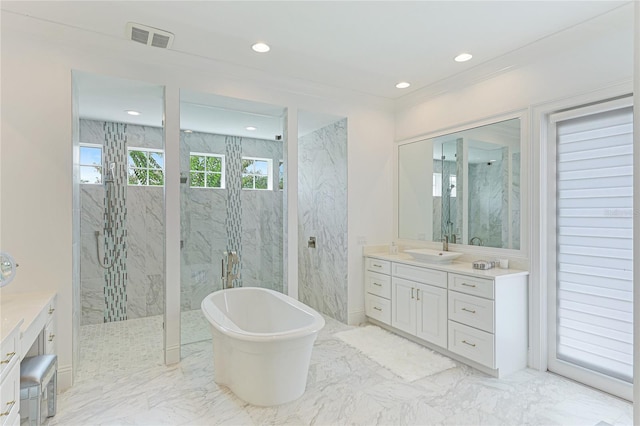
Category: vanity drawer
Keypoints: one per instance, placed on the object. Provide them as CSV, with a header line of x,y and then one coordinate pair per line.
x,y
472,343
377,265
10,352
421,275
378,308
471,310
10,397
471,285
50,338
378,284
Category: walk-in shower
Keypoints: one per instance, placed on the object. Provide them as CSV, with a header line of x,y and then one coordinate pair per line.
x,y
119,198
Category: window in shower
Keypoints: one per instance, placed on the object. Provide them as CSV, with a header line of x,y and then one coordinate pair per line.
x,y
90,163
146,167
256,173
437,185
206,170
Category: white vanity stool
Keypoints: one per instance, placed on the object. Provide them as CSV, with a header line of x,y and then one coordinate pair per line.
x,y
38,388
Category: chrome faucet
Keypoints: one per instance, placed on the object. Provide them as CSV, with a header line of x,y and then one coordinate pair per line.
x,y
230,262
445,243
475,240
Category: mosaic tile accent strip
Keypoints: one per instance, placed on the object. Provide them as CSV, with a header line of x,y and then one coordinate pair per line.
x,y
233,222
115,222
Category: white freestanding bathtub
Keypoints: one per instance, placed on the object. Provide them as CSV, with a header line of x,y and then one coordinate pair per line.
x,y
262,342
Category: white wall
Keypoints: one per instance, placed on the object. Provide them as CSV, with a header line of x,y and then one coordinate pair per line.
x,y
36,162
584,67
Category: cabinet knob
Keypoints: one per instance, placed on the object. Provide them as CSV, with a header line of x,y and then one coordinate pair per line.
x,y
470,344
469,310
468,285
377,309
378,284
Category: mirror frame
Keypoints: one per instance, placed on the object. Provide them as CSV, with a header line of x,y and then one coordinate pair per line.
x,y
525,200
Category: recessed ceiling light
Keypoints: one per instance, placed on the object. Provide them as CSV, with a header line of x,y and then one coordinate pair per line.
x,y
463,57
261,47
188,131
251,128
132,112
403,85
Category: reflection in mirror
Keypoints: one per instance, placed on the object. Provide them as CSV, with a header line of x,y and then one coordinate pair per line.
x,y
7,268
474,192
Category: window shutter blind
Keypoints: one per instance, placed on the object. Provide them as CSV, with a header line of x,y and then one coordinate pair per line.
x,y
594,242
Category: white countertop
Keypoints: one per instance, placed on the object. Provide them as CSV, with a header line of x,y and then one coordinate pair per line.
x,y
455,267
21,309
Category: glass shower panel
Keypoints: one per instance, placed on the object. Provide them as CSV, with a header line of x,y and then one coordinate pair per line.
x,y
121,226
231,200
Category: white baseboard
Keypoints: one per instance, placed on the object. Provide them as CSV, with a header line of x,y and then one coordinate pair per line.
x,y
356,318
172,355
65,377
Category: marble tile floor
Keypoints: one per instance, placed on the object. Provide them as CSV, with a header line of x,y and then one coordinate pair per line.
x,y
130,386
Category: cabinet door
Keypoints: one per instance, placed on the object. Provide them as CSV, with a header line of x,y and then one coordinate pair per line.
x,y
431,315
403,306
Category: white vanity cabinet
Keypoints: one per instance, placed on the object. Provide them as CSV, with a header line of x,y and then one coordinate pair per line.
x,y
477,317
419,302
488,320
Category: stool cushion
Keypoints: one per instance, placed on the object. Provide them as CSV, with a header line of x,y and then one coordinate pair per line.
x,y
34,369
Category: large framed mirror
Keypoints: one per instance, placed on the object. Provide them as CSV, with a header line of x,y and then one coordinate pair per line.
x,y
463,186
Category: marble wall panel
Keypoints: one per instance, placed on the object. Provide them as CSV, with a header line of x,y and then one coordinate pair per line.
x,y
322,210
144,219
516,208
204,220
92,301
92,131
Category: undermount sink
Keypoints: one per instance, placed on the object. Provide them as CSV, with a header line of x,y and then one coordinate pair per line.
x,y
433,256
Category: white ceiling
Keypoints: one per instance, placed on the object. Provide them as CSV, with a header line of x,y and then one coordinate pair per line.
x,y
359,46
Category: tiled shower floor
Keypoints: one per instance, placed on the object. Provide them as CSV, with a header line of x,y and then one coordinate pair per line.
x,y
122,380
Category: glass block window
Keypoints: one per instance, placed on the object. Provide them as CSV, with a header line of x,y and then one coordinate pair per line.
x,y
281,176
207,170
256,173
145,167
90,163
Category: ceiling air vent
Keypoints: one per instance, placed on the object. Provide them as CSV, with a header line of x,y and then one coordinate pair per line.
x,y
149,35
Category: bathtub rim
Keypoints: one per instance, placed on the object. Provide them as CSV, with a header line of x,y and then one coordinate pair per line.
x,y
230,329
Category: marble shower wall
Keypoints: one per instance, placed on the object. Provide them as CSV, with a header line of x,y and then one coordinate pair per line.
x,y
322,213
144,257
204,221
